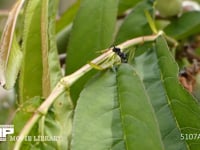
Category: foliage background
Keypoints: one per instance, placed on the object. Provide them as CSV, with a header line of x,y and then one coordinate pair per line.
x,y
150,102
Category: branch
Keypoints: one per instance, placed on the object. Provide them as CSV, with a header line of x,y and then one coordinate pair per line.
x,y
66,82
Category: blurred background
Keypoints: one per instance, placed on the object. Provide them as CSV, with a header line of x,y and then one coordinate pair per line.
x,y
4,4
7,98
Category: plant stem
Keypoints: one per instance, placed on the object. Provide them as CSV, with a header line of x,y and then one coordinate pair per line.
x,y
139,40
42,110
67,81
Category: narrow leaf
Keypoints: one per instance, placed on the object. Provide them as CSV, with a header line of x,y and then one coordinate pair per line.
x,y
137,115
59,116
95,66
180,100
6,47
95,113
31,72
151,22
53,59
67,17
146,64
62,109
14,64
63,26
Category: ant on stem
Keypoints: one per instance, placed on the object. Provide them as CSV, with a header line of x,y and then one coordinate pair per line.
x,y
123,56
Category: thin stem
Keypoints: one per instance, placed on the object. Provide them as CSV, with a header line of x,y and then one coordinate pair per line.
x,y
42,110
67,81
139,40
171,40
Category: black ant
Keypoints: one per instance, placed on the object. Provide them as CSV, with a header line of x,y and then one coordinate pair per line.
x,y
123,56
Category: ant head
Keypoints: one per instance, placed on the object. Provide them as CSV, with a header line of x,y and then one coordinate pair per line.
x,y
116,50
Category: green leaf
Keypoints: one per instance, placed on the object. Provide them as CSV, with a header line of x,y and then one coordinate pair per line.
x,y
40,67
53,59
9,65
185,26
64,110
59,117
170,100
63,26
14,64
62,38
128,107
180,100
90,34
31,72
135,24
22,115
151,22
126,4
24,112
114,112
146,64
67,17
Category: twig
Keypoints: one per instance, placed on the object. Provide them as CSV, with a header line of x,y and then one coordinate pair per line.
x,y
67,81
139,40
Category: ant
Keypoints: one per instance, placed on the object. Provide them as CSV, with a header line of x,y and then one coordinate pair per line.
x,y
122,55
